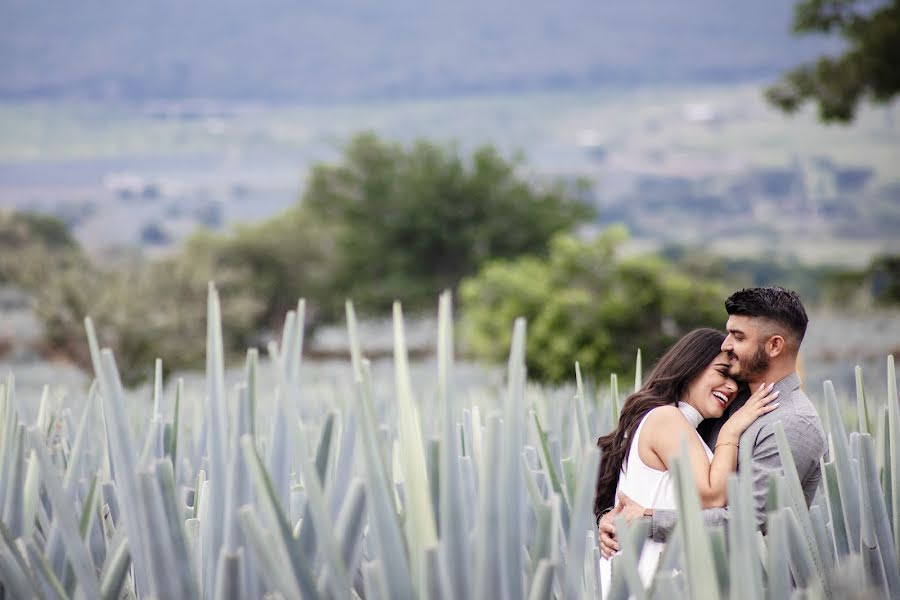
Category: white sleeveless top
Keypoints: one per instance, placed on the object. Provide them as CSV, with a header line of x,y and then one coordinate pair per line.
x,y
645,485
651,488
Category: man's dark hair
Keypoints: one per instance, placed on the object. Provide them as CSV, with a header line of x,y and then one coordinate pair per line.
x,y
774,303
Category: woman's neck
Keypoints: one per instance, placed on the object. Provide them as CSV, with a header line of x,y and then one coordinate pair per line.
x,y
690,413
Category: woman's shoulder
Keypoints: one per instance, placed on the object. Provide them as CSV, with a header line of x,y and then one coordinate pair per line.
x,y
666,416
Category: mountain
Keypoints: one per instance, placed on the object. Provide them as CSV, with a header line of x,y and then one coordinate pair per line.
x,y
331,50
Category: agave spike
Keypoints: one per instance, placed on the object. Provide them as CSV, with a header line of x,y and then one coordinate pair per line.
x,y
420,522
893,447
115,574
550,466
435,583
275,517
580,413
846,476
14,508
698,554
744,567
338,578
13,568
77,553
450,485
487,553
50,585
614,398
396,577
875,524
862,408
157,389
797,501
230,583
778,569
633,538
582,520
172,450
511,479
252,375
541,586
271,556
350,523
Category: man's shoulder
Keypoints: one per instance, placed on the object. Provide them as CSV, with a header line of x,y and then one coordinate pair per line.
x,y
801,423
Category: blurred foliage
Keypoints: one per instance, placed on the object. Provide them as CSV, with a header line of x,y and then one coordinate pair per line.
x,y
285,258
866,69
884,274
145,310
385,223
33,245
810,281
878,284
142,309
586,303
409,222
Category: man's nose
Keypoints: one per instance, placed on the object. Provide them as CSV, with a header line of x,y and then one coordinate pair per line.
x,y
726,345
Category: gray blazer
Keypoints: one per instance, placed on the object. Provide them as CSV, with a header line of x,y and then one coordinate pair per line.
x,y
805,436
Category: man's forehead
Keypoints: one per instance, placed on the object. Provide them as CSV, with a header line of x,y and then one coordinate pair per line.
x,y
742,323
752,326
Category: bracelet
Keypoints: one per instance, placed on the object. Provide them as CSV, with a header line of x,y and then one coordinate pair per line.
x,y
737,446
603,512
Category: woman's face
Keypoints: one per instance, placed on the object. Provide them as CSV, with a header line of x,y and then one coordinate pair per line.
x,y
712,390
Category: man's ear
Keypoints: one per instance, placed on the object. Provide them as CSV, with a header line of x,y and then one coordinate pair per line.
x,y
776,346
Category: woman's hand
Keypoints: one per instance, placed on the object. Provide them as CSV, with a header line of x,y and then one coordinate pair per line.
x,y
758,404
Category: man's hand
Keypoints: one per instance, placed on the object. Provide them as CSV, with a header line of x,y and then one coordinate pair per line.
x,y
630,510
608,543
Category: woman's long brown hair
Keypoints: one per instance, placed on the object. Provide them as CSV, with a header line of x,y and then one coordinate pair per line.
x,y
666,384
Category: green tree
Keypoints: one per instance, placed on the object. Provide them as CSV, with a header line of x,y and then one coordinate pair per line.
x,y
409,222
33,245
585,303
884,273
283,258
866,69
143,309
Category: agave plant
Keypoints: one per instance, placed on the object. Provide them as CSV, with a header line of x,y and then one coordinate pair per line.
x,y
281,487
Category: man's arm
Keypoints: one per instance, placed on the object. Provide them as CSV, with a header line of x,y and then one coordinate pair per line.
x,y
662,522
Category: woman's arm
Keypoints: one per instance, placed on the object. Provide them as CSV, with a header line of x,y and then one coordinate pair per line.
x,y
662,435
666,427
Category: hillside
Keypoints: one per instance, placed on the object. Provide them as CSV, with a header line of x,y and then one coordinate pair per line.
x,y
361,49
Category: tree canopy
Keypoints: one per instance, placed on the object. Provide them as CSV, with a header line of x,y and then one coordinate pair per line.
x,y
867,69
408,222
586,303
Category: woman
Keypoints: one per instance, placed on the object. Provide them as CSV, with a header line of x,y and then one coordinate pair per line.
x,y
690,383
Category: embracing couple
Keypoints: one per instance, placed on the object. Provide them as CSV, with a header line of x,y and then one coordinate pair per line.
x,y
719,392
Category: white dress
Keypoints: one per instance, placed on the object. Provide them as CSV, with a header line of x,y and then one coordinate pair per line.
x,y
650,488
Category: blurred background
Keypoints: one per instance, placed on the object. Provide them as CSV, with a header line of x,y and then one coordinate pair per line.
x,y
611,170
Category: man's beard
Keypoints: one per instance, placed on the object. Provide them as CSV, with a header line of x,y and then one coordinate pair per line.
x,y
754,365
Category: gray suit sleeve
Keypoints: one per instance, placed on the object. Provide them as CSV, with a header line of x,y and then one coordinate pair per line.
x,y
766,460
662,523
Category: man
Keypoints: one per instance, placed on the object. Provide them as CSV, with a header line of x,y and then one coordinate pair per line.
x,y
764,330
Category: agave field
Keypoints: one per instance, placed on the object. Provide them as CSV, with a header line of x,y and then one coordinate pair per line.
x,y
277,487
